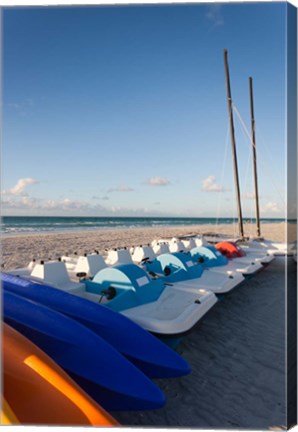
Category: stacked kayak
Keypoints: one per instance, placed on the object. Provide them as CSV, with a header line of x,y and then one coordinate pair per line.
x,y
107,376
145,351
37,391
127,288
90,321
7,416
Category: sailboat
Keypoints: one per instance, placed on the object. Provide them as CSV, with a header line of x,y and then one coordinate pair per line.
x,y
249,245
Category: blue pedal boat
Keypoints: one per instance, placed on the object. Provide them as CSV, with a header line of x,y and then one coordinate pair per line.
x,y
156,306
212,258
185,272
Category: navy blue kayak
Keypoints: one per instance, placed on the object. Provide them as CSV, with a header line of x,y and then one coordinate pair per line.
x,y
144,350
98,368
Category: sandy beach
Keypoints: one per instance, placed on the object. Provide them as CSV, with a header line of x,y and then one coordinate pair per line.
x,y
237,353
18,250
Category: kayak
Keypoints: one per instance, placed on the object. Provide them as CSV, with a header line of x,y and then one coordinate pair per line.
x,y
38,391
233,251
108,377
144,350
156,307
7,416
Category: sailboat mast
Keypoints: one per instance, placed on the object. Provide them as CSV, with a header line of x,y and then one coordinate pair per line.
x,y
254,152
234,152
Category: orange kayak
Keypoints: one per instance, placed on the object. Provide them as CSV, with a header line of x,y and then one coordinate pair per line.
x,y
7,416
37,391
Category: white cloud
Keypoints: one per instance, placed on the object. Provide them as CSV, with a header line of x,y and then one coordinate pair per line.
x,y
209,185
65,204
272,207
103,198
31,205
120,189
29,202
214,15
21,107
128,211
9,204
248,195
158,181
19,188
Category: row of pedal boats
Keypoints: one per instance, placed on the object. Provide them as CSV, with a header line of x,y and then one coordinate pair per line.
x,y
97,318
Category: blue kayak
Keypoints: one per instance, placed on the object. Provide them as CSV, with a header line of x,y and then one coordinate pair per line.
x,y
144,350
98,368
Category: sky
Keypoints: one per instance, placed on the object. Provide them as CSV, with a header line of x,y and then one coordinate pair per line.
x,y
122,111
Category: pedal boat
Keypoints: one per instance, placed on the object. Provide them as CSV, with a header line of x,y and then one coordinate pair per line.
x,y
180,269
145,351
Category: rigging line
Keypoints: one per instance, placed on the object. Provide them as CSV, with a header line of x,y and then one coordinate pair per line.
x,y
252,144
247,188
261,159
223,174
248,180
234,222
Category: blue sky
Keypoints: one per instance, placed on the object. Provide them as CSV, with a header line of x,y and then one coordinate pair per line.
x,y
122,110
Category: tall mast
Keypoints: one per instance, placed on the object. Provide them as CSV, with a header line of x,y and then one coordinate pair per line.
x,y
234,152
254,152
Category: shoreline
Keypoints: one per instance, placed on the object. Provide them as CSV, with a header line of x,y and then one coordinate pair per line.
x,y
18,250
249,229
7,231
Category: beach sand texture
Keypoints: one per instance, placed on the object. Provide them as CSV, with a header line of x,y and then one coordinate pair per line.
x,y
19,249
237,353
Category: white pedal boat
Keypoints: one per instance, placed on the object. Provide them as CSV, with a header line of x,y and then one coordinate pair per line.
x,y
179,269
259,256
256,245
206,254
157,307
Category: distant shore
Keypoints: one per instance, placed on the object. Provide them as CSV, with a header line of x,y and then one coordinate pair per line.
x,y
19,249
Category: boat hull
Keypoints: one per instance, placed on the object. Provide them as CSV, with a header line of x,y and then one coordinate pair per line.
x,y
39,391
82,353
138,346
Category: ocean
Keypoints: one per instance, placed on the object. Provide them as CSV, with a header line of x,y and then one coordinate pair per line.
x,y
11,225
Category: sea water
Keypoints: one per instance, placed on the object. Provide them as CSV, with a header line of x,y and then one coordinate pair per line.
x,y
46,224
